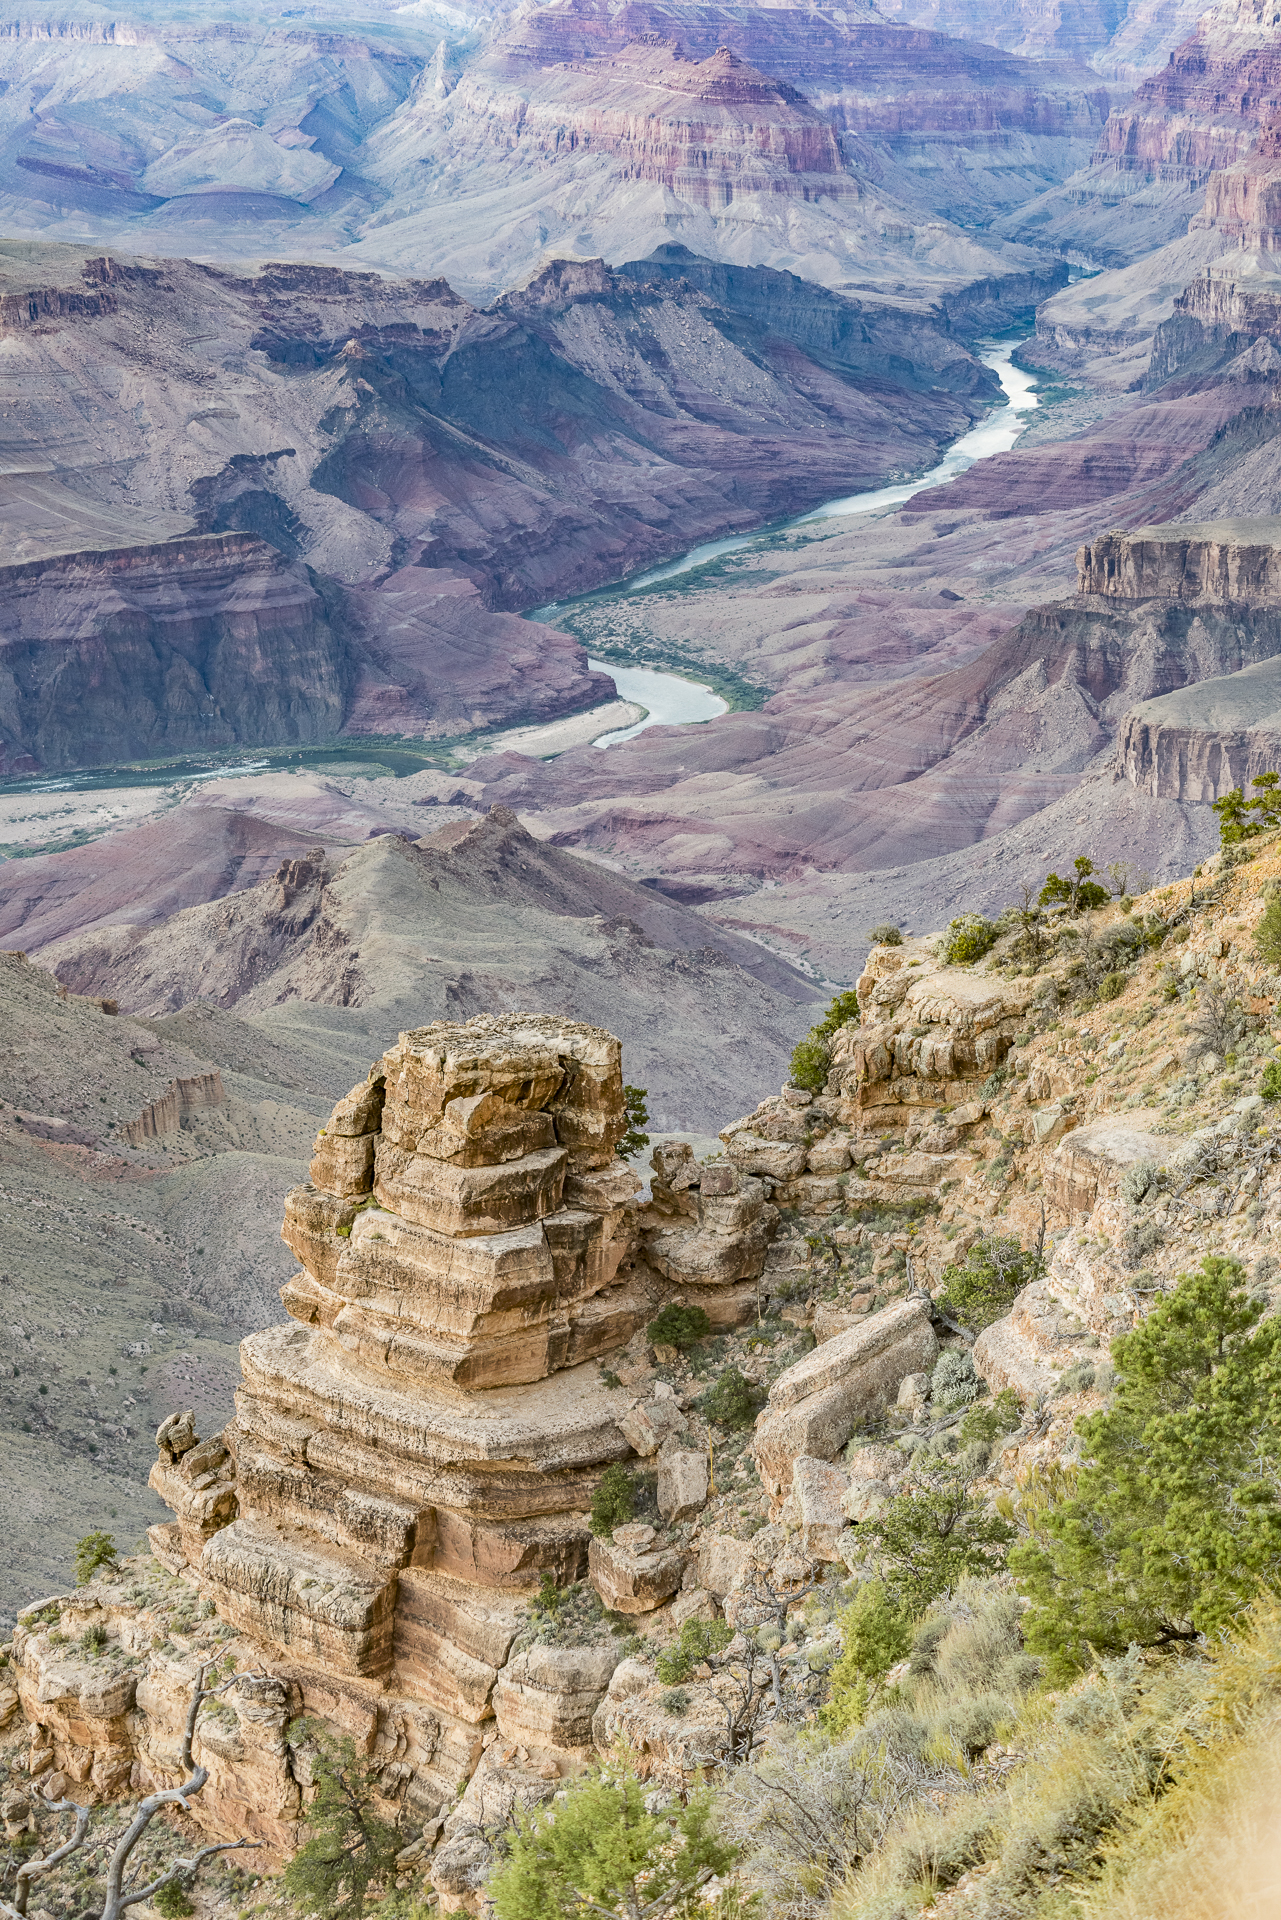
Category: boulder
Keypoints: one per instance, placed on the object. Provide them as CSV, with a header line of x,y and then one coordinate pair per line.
x,y
722,1562
650,1423
633,1579
546,1696
772,1159
682,1482
343,1164
814,1406
1088,1165
818,1489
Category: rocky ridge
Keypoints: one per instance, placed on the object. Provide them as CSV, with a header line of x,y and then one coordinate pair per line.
x,y
365,1535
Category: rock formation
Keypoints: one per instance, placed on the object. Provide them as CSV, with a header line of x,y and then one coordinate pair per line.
x,y
1224,560
419,1446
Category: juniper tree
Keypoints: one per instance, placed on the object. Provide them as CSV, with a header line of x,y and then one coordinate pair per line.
x,y
1173,1523
597,1851
350,1849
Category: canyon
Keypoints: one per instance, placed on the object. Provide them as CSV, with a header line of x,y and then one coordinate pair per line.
x,y
401,1111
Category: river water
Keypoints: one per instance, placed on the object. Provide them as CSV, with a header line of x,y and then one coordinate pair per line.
x,y
674,701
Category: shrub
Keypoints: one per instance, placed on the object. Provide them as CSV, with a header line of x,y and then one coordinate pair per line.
x,y
699,1639
875,1635
93,1640
1138,1180
1174,1523
954,1383
679,1327
1234,810
174,1902
932,1534
637,1111
734,1401
985,1285
986,1424
95,1551
968,938
1270,1082
885,935
1077,1379
811,1064
1267,935
613,1503
596,1849
1112,986
812,1056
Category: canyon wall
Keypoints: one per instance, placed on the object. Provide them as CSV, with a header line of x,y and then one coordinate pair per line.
x,y
138,652
1231,560
309,504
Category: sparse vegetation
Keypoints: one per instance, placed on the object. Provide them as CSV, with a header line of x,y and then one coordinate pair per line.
x,y
614,1501
968,938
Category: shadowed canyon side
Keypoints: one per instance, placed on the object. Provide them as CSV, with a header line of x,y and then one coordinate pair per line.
x,y
379,470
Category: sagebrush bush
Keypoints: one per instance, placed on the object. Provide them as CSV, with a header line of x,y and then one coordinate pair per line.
x,y
885,935
1137,1181
1270,1082
954,1382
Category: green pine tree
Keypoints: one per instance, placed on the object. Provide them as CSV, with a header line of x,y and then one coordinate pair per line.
x,y
350,1849
595,1850
1174,1523
933,1533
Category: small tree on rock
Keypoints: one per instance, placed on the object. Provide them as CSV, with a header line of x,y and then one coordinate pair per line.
x,y
350,1848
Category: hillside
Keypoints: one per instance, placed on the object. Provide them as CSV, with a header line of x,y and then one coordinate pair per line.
x,y
1073,1120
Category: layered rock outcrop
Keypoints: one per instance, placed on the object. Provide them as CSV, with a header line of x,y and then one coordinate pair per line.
x,y
1219,561
418,1448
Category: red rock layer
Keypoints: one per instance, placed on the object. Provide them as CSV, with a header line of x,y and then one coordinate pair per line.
x,y
1207,107
706,129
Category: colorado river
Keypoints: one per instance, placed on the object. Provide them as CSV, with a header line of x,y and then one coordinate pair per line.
x,y
674,701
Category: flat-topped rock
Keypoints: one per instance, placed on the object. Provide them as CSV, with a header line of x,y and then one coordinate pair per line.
x,y
1090,1161
1237,559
